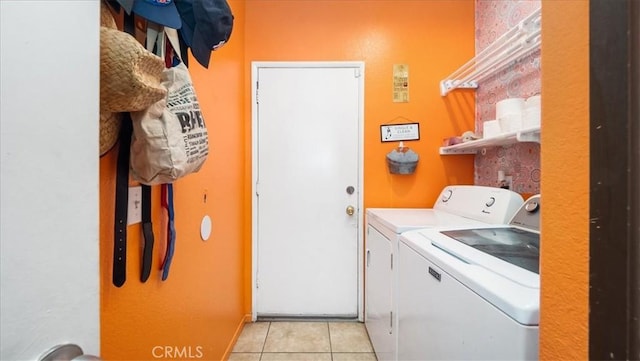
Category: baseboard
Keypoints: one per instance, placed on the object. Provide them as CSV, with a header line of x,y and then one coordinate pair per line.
x,y
270,318
245,319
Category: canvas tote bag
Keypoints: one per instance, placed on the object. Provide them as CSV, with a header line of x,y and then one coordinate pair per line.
x,y
170,138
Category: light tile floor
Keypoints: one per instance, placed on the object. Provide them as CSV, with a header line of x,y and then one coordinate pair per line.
x,y
303,341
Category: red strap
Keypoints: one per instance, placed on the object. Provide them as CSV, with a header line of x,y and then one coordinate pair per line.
x,y
168,55
163,196
164,204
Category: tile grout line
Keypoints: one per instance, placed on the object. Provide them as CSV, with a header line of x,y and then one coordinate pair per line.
x,y
330,344
261,352
265,341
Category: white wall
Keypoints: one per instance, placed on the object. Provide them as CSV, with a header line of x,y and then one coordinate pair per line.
x,y
49,79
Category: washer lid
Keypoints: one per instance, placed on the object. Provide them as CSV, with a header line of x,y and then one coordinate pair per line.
x,y
511,289
513,245
400,220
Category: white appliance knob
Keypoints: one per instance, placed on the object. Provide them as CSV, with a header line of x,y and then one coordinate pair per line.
x,y
447,195
531,206
490,202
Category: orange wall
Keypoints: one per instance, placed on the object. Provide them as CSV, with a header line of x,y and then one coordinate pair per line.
x,y
200,305
432,37
564,259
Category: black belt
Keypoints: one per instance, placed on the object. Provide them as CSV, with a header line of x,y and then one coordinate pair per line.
x,y
147,232
122,200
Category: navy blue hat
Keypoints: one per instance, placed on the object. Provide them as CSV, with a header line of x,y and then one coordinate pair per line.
x,y
126,4
206,26
161,12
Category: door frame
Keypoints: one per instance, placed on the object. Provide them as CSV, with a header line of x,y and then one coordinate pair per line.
x,y
255,66
614,265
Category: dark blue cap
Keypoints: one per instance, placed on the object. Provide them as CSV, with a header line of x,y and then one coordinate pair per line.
x,y
163,12
206,26
126,4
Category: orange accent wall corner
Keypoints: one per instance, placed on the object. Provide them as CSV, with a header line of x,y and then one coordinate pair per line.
x,y
564,261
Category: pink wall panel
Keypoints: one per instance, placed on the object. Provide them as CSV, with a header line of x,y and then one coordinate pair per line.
x,y
521,161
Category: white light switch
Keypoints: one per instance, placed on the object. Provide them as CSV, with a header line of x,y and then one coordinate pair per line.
x,y
134,210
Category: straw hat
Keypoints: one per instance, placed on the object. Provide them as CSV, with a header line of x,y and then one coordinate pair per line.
x,y
109,129
109,122
129,74
130,78
106,18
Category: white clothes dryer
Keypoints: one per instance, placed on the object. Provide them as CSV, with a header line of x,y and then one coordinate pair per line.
x,y
466,206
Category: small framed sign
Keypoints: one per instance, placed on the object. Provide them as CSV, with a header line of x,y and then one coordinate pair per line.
x,y
398,132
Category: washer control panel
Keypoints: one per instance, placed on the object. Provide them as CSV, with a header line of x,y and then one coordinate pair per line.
x,y
486,204
528,217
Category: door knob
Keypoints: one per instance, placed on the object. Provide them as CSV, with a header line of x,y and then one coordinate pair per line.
x,y
350,210
67,352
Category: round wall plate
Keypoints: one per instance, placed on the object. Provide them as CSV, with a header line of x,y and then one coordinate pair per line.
x,y
205,228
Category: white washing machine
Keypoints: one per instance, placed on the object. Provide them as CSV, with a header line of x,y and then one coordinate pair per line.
x,y
471,293
468,206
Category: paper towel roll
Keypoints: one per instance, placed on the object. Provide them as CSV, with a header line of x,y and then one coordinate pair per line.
x,y
511,123
532,102
509,106
531,118
491,128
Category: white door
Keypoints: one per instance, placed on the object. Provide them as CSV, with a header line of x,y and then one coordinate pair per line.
x,y
49,81
307,146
